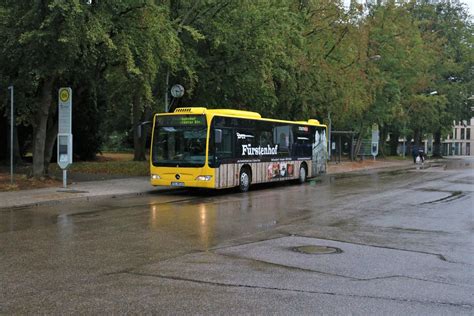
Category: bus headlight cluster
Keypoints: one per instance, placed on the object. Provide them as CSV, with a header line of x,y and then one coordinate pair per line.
x,y
203,178
155,177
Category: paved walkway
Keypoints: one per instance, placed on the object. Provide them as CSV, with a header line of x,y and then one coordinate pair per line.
x,y
76,191
141,185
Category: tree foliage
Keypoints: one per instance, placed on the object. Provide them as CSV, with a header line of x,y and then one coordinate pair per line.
x,y
284,58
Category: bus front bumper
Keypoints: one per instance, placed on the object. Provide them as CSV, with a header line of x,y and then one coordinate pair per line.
x,y
187,183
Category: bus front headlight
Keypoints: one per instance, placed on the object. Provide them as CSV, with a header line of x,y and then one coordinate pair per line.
x,y
155,177
203,178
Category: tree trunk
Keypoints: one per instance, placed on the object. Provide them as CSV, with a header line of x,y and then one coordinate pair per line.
x,y
51,134
394,143
437,144
382,138
417,137
41,121
16,148
138,135
358,145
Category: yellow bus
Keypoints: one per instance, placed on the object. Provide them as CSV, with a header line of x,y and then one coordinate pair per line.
x,y
224,148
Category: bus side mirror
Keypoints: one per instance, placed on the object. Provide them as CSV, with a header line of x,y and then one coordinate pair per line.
x,y
218,136
217,162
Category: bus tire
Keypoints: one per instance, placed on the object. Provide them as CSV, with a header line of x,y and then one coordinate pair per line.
x,y
245,179
303,173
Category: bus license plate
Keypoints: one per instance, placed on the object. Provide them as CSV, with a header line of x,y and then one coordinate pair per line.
x,y
177,184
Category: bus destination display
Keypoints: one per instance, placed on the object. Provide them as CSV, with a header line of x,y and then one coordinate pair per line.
x,y
181,120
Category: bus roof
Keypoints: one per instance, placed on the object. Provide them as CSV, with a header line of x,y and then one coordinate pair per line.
x,y
238,113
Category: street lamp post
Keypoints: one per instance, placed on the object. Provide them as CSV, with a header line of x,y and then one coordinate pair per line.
x,y
11,133
329,135
404,138
167,105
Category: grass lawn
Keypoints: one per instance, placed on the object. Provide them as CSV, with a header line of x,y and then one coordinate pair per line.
x,y
110,164
126,168
106,164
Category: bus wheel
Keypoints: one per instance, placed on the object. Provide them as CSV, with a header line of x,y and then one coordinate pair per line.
x,y
244,180
302,177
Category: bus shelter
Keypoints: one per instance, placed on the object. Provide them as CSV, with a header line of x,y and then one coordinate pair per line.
x,y
342,144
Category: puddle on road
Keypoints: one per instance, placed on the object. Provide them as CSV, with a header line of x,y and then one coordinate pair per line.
x,y
459,164
395,172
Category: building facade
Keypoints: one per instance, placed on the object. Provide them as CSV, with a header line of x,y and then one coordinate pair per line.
x,y
460,141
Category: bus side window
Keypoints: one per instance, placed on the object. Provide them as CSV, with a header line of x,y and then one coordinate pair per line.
x,y
224,147
283,136
266,138
303,138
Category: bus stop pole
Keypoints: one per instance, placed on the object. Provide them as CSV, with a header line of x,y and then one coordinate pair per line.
x,y
340,148
166,91
11,133
329,136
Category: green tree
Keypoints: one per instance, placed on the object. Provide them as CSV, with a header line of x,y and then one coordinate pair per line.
x,y
402,72
242,54
448,29
41,40
146,43
333,75
289,59
83,44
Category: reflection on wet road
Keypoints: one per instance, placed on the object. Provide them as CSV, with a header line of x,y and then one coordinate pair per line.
x,y
47,252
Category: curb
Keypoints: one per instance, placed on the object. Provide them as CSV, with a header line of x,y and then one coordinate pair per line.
x,y
84,199
157,190
68,200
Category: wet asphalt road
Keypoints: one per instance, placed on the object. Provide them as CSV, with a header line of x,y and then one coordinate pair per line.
x,y
404,242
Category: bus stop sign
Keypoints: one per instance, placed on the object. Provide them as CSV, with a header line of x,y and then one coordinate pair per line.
x,y
375,140
65,111
64,127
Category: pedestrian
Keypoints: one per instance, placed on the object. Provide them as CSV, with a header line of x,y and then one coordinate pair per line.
x,y
421,154
414,152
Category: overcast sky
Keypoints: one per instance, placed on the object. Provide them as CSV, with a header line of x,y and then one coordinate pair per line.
x,y
470,4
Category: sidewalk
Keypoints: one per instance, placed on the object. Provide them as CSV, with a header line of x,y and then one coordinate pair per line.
x,y
141,185
76,191
349,166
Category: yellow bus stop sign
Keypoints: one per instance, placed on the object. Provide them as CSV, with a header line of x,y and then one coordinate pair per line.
x,y
64,95
64,110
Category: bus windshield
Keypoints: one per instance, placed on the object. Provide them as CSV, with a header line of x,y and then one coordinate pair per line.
x,y
183,144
